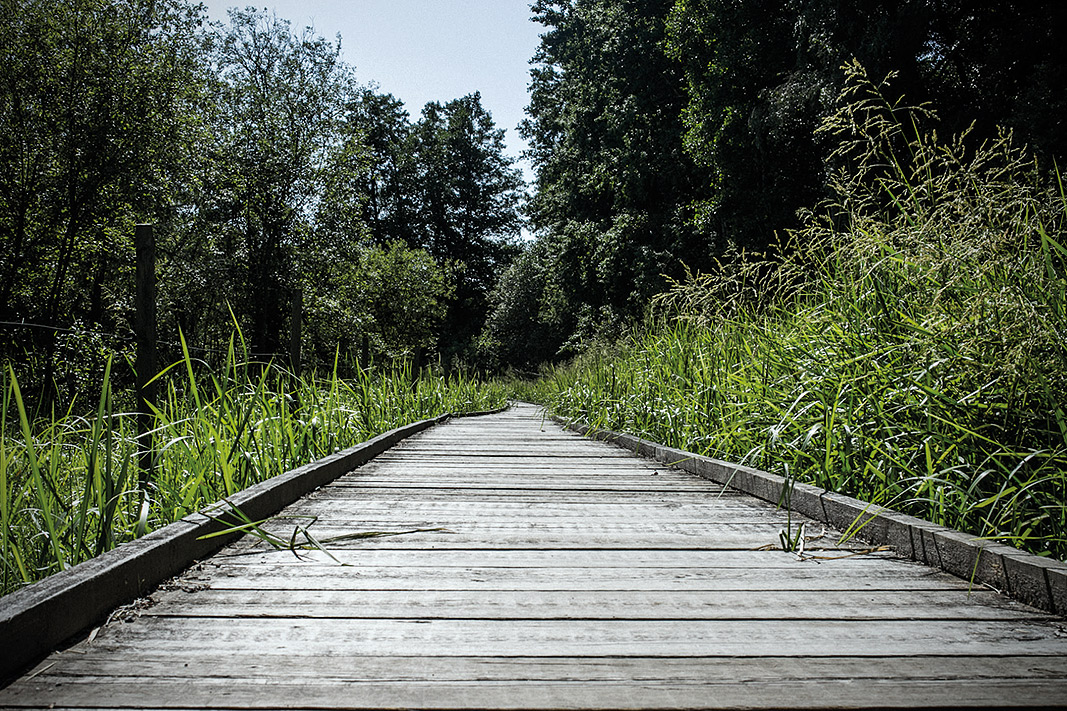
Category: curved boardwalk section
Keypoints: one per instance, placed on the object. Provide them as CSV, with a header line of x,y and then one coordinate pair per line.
x,y
535,569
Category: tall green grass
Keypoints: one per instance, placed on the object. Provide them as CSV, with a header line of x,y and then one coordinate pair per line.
x,y
908,346
69,486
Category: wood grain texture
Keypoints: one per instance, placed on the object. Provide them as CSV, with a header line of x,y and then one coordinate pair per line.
x,y
560,573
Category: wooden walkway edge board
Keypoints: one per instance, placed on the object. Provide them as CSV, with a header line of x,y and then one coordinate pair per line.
x,y
1040,582
37,618
468,587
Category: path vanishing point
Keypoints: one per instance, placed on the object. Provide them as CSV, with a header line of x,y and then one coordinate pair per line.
x,y
552,571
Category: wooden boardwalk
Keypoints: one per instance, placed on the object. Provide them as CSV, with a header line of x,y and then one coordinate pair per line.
x,y
561,573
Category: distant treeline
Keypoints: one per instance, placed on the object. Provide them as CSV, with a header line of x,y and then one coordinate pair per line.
x,y
668,133
665,134
269,171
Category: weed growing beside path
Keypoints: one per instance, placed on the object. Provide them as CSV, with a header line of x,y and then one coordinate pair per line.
x,y
69,486
908,346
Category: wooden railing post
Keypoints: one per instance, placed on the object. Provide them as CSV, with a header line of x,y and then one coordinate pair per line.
x,y
145,330
296,326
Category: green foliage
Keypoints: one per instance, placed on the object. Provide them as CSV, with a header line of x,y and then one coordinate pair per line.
x,y
98,116
389,209
906,346
276,126
760,77
613,183
522,330
68,486
469,196
757,84
267,172
387,301
405,294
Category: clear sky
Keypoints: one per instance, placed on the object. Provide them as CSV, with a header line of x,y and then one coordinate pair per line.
x,y
428,50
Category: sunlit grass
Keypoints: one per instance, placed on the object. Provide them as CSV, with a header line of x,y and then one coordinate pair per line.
x,y
908,347
69,486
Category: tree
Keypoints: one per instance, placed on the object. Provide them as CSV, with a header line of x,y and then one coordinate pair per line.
x,y
523,329
96,119
389,298
614,186
468,199
760,77
754,102
390,208
279,100
405,293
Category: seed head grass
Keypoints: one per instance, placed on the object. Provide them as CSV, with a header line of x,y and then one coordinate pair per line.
x,y
907,346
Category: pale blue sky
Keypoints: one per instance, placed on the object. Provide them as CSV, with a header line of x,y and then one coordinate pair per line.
x,y
428,50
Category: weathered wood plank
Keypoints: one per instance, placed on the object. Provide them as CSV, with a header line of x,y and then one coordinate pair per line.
x,y
516,484
936,604
531,537
639,694
597,475
299,637
594,478
354,669
678,509
471,518
318,577
577,458
383,494
675,505
584,559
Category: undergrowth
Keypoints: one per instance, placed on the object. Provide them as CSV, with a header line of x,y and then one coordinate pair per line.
x,y
907,346
69,486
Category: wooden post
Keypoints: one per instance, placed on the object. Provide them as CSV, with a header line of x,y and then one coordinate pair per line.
x,y
296,326
416,365
145,330
416,368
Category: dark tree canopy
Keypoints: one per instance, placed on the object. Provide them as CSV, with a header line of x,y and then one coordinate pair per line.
x,y
613,184
382,124
668,131
97,121
762,76
469,195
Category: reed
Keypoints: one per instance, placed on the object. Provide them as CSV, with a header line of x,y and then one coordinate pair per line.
x,y
908,346
69,485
